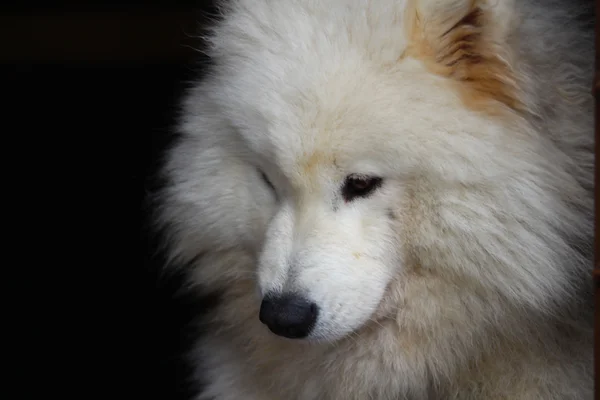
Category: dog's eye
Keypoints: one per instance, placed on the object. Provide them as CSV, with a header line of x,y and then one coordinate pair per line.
x,y
267,181
359,186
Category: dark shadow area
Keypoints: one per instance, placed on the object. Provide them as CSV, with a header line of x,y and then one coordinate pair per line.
x,y
96,97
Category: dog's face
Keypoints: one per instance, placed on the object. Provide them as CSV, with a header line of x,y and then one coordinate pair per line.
x,y
350,169
384,185
333,240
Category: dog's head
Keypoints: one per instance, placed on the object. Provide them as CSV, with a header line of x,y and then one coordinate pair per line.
x,y
397,175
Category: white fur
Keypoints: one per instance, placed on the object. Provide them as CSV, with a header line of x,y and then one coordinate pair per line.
x,y
464,276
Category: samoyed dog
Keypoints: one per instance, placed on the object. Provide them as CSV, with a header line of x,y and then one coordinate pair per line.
x,y
393,199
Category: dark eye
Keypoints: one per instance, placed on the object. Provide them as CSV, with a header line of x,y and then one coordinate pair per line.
x,y
267,181
359,186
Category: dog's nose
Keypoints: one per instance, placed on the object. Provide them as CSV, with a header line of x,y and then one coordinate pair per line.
x,y
288,315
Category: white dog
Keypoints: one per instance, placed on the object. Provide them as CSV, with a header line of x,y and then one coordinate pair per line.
x,y
393,198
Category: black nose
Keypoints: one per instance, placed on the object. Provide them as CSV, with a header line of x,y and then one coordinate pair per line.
x,y
288,315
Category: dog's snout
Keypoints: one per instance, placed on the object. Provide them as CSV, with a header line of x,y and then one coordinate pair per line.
x,y
289,316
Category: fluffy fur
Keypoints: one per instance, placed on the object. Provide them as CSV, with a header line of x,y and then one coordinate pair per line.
x,y
465,275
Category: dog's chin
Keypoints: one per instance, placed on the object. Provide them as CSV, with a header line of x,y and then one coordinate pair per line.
x,y
335,335
318,337
331,336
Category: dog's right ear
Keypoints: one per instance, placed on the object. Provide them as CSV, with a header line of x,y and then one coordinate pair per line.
x,y
466,40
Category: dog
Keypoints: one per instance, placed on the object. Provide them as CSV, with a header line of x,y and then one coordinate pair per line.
x,y
392,198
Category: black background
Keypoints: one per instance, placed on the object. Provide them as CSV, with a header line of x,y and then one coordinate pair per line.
x,y
87,113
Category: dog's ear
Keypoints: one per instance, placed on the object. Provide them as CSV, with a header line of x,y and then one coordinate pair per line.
x,y
467,41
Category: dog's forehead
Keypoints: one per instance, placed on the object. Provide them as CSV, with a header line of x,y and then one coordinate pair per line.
x,y
395,120
334,120
308,156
